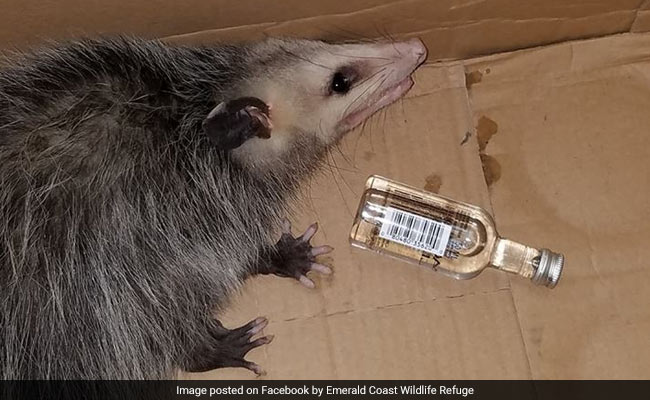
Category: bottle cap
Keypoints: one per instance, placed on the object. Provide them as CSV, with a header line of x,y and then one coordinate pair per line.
x,y
549,269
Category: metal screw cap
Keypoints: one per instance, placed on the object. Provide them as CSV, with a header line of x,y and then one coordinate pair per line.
x,y
549,270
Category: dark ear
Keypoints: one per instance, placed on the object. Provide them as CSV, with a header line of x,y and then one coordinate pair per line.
x,y
232,123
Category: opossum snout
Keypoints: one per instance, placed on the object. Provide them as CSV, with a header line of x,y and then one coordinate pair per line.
x,y
388,69
414,48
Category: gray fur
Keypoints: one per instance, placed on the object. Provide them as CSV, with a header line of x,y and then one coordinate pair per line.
x,y
121,229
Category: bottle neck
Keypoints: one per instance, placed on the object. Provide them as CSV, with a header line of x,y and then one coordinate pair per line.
x,y
515,258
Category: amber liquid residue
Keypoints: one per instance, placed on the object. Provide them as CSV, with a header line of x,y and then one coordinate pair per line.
x,y
446,235
472,230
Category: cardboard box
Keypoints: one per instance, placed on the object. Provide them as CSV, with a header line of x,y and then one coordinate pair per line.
x,y
558,151
450,28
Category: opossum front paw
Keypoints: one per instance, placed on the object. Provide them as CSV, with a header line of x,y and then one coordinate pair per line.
x,y
228,347
232,123
296,256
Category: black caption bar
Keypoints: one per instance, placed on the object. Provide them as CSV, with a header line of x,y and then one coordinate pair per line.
x,y
261,389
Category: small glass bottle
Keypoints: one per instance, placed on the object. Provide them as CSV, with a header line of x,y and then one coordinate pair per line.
x,y
457,239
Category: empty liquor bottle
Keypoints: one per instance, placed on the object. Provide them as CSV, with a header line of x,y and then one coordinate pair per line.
x,y
455,238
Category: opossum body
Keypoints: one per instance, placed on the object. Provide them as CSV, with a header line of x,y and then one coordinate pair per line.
x,y
142,183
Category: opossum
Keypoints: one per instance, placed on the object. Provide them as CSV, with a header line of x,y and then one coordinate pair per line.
x,y
141,183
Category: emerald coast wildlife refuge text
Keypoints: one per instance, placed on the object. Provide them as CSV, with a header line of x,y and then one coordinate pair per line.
x,y
327,390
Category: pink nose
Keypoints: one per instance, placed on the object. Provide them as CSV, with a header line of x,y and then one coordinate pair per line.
x,y
418,47
413,47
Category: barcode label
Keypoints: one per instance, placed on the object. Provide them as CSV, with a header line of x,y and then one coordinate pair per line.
x,y
415,231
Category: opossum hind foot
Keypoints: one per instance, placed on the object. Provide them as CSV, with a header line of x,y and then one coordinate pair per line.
x,y
227,348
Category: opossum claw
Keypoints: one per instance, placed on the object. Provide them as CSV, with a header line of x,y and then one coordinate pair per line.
x,y
249,365
255,368
320,250
323,269
306,281
310,232
256,325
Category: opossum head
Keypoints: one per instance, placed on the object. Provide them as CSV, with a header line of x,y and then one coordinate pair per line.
x,y
318,91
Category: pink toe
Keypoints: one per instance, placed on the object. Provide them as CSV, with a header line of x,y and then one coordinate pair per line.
x,y
306,282
260,323
257,369
310,232
323,269
317,251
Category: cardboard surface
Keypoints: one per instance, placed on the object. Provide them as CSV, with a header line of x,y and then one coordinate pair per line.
x,y
642,19
566,127
451,28
573,147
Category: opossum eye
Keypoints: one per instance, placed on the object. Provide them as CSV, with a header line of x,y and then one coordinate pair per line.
x,y
341,83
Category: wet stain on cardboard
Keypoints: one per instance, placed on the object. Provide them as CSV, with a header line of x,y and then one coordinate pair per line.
x,y
368,155
485,129
432,183
472,77
491,169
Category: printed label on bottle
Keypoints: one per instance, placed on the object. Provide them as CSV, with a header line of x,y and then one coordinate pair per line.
x,y
415,231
